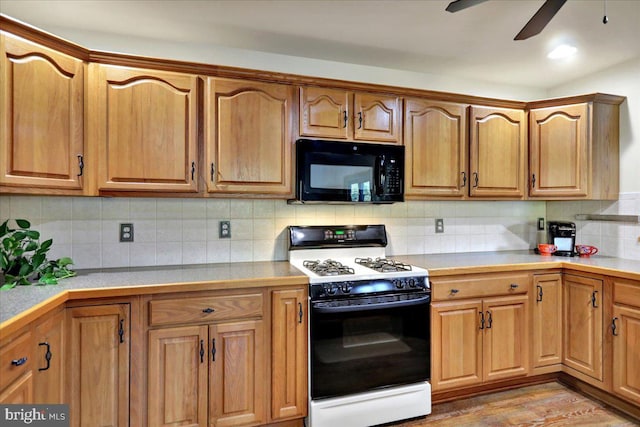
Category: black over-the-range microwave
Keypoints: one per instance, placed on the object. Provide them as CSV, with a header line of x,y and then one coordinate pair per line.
x,y
348,172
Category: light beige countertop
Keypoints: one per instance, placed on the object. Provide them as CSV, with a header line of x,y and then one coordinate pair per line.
x,y
22,302
20,305
485,262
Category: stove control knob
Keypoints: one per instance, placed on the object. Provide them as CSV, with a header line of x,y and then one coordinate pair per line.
x,y
412,283
330,289
346,288
398,283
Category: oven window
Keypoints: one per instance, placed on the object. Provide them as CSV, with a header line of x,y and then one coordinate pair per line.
x,y
358,351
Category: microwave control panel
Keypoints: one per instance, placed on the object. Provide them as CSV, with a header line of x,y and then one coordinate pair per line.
x,y
393,180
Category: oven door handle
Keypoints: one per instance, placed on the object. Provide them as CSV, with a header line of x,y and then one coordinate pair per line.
x,y
377,306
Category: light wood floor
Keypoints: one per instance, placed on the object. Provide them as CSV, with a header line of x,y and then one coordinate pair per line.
x,y
550,404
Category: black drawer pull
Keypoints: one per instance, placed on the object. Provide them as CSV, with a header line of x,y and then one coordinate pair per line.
x,y
614,327
454,291
481,319
539,297
300,313
19,362
213,350
594,303
513,286
489,320
208,310
201,351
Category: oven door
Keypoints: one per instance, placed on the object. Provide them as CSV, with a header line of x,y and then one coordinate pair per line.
x,y
368,343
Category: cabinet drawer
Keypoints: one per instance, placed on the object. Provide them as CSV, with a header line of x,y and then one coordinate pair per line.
x,y
204,309
444,289
626,292
15,359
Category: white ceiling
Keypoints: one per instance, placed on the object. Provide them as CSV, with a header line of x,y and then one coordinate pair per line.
x,y
415,35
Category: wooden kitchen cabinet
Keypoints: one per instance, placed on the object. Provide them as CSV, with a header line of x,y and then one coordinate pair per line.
x,y
547,320
436,149
342,114
144,125
98,365
498,150
574,149
582,325
49,374
480,329
212,372
625,328
288,353
16,368
42,103
248,137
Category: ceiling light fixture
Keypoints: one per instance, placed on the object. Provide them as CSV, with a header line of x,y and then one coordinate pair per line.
x,y
562,51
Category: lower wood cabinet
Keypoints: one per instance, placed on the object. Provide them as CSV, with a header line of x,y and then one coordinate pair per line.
x,y
98,364
582,325
478,340
547,320
625,328
32,364
288,353
210,365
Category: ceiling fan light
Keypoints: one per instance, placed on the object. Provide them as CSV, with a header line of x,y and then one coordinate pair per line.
x,y
562,51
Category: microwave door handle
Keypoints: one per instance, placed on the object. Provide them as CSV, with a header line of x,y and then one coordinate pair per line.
x,y
381,177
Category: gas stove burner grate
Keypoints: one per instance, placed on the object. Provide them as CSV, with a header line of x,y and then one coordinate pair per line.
x,y
383,265
328,267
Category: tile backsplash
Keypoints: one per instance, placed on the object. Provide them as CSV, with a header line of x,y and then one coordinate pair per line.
x,y
620,239
185,231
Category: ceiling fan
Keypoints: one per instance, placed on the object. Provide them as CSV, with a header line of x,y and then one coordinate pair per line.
x,y
535,25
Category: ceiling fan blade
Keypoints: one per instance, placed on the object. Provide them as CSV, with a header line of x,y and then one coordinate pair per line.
x,y
540,20
457,5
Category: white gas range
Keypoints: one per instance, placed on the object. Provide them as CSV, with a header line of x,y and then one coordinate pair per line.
x,y
369,340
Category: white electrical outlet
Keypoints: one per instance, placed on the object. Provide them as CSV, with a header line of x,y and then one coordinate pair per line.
x,y
439,225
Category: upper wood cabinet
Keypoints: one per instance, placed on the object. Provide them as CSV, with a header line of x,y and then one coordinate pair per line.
x,y
42,103
574,150
341,114
248,137
435,136
144,123
498,150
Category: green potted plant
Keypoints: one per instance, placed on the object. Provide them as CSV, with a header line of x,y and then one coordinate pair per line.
x,y
23,258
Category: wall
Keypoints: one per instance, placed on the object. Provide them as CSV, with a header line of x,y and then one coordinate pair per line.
x,y
185,231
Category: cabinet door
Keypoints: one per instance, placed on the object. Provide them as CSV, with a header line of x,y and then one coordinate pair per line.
x,y
41,98
18,392
456,344
16,370
325,113
506,339
145,123
547,320
377,118
98,365
559,156
288,353
626,357
237,388
248,147
582,326
498,144
177,376
49,363
436,149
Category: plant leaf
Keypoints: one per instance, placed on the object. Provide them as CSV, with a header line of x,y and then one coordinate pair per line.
x,y
23,223
31,246
35,235
8,286
37,260
4,228
25,269
19,235
64,261
48,279
44,246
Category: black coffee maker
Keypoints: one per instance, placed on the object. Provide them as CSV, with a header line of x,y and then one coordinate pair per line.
x,y
563,235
